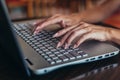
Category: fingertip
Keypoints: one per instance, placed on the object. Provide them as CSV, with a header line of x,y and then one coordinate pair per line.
x,y
58,45
34,23
66,46
75,46
55,35
35,33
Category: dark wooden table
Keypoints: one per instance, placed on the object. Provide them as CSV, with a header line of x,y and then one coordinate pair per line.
x,y
107,69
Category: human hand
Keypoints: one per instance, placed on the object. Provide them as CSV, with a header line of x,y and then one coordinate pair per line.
x,y
63,20
82,31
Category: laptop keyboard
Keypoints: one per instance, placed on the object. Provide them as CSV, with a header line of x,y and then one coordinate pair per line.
x,y
45,45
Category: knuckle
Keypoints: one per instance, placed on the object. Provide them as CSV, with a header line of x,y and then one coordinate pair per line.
x,y
68,41
88,29
84,36
59,33
85,24
57,15
62,41
74,33
62,31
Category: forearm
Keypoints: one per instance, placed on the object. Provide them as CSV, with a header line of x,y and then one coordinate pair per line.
x,y
101,12
115,36
92,16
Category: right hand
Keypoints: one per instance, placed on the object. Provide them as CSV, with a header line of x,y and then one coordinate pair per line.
x,y
82,32
62,20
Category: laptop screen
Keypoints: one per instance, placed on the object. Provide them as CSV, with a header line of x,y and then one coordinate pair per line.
x,y
8,39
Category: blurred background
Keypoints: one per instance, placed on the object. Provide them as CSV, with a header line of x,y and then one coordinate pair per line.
x,y
31,9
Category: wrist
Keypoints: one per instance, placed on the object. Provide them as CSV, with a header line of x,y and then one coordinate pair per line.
x,y
77,16
114,35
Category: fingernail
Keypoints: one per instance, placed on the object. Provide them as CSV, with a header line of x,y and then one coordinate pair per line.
x,y
55,35
75,46
59,44
66,46
35,32
34,23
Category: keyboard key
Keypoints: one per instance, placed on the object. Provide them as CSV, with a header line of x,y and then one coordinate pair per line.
x,y
58,61
64,58
51,55
48,53
52,62
48,59
84,54
70,56
17,27
54,58
75,54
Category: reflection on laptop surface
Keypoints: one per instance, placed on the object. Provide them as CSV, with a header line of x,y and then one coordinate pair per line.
x,y
97,71
38,53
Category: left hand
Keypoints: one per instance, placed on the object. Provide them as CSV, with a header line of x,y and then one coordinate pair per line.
x,y
82,32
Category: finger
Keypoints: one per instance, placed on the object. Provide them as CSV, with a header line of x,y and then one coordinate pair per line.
x,y
53,20
79,32
43,20
65,30
85,29
62,24
61,42
46,23
35,24
64,38
83,38
38,22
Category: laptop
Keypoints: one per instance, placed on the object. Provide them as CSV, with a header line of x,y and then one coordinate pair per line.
x,y
37,54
